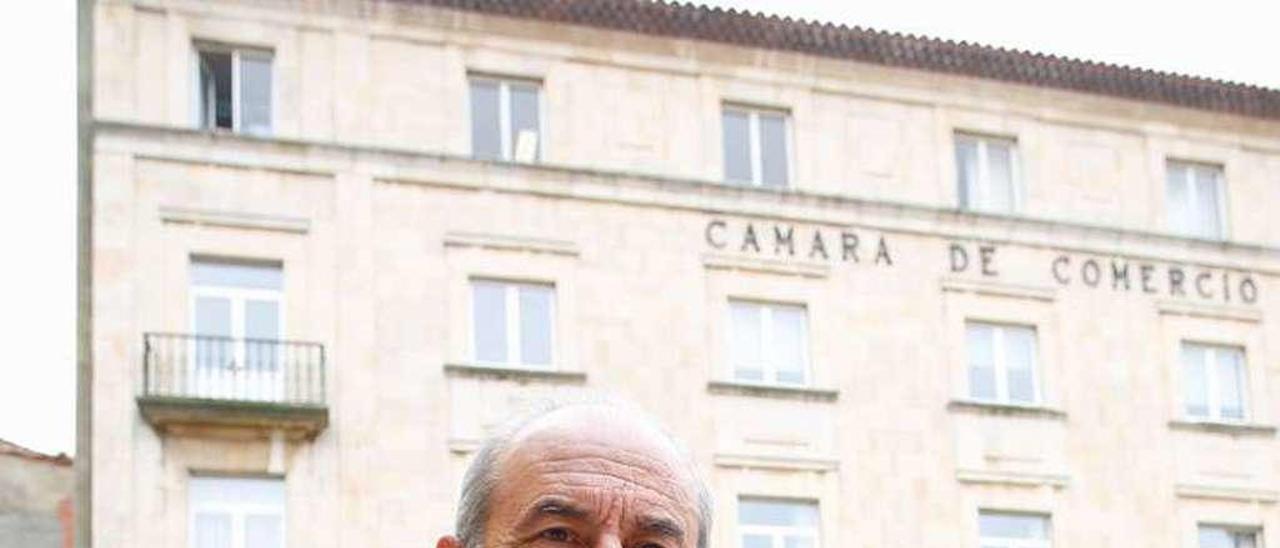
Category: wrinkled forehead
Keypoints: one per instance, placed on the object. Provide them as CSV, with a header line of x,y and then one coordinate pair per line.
x,y
600,457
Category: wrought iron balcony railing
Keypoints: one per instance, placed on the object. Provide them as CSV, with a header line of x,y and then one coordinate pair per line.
x,y
221,368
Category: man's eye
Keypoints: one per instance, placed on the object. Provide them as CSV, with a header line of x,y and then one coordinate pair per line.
x,y
557,534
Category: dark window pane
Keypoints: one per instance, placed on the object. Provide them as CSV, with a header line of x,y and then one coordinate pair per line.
x,y
215,89
486,132
1207,219
263,531
1020,359
212,530
777,513
966,171
489,301
982,372
999,183
745,334
1216,537
255,94
737,147
773,150
231,274
1231,383
1195,381
524,121
535,325
1013,526
213,319
262,326
788,344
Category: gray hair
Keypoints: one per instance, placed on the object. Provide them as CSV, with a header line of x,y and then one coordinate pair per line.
x,y
482,476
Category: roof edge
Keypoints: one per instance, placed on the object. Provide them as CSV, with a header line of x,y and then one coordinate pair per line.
x,y
855,43
13,449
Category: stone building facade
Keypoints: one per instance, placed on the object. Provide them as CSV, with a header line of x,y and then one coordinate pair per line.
x,y
893,292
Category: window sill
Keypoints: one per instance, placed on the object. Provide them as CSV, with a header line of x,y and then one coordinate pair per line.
x,y
1231,428
772,462
492,372
1231,493
1015,479
801,393
1005,410
233,131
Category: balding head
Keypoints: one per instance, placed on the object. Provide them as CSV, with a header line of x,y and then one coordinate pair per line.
x,y
590,474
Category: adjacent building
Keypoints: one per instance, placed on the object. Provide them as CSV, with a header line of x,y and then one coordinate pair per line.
x,y
893,291
36,493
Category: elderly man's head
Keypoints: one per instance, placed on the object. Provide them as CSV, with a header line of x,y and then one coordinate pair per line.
x,y
587,475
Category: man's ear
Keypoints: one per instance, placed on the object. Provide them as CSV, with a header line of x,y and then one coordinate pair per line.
x,y
448,541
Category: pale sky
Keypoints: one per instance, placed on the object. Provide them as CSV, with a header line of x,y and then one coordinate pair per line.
x,y
1228,39
1235,40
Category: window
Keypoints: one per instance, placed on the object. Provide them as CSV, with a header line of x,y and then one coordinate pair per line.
x,y
1194,196
506,121
1229,537
236,314
1214,382
1009,530
987,173
234,89
766,523
768,343
755,147
513,323
1002,363
236,513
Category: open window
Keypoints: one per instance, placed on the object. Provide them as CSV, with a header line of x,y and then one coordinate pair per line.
x,y
506,119
234,89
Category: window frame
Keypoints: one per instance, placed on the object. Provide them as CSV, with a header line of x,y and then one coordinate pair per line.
x,y
1212,386
1000,366
778,534
769,371
1189,168
1233,530
965,196
511,308
239,510
753,113
505,138
237,52
1006,542
238,298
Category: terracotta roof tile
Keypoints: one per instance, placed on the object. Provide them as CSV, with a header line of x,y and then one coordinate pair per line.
x,y
891,49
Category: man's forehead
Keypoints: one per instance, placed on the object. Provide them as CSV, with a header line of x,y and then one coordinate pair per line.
x,y
594,440
598,425
597,483
601,464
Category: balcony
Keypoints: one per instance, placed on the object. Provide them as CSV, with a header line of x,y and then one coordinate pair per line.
x,y
219,386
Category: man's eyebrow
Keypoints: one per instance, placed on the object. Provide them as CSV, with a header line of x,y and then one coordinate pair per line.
x,y
553,506
662,526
